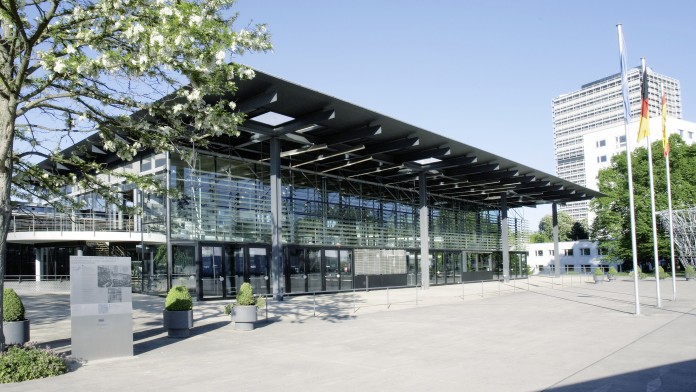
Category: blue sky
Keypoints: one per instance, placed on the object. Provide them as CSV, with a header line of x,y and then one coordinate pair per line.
x,y
481,72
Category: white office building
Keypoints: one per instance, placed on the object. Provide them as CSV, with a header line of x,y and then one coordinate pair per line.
x,y
581,256
588,127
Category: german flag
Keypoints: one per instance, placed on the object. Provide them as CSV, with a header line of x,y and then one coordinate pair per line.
x,y
665,138
644,128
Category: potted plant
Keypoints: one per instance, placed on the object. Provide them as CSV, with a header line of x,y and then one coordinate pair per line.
x,y
178,312
689,272
15,326
244,311
611,274
598,275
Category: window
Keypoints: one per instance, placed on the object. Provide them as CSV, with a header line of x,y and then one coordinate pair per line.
x,y
539,252
601,159
601,143
621,140
691,135
567,252
586,268
602,251
551,252
585,251
146,164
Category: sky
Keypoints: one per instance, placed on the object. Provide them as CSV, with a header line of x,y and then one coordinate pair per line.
x,y
481,72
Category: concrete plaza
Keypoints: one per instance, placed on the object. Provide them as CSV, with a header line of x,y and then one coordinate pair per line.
x,y
540,334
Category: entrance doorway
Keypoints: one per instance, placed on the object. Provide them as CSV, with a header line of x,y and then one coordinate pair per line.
x,y
311,270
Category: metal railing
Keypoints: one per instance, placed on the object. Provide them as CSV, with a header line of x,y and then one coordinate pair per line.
x,y
78,222
45,284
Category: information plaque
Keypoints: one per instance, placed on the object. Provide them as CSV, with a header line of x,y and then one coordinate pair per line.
x,y
101,307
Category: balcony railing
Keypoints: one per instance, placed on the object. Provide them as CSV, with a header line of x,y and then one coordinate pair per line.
x,y
77,222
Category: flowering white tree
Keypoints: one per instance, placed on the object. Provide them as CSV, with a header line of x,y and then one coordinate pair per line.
x,y
136,71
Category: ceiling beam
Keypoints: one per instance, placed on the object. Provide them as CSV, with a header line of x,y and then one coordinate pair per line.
x,y
304,121
258,101
392,145
423,154
332,155
493,175
349,135
449,163
473,169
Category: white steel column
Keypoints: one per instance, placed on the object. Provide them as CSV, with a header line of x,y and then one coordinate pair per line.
x,y
424,233
276,224
556,250
504,237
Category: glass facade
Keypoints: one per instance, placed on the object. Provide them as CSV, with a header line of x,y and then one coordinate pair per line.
x,y
337,233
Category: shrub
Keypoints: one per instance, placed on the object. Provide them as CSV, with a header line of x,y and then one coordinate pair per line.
x,y
612,271
641,274
13,309
178,298
21,363
598,271
689,271
663,274
245,296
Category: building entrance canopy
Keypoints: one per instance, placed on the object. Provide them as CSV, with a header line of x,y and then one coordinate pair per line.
x,y
323,134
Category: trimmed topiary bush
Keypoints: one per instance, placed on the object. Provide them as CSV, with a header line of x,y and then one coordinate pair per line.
x,y
245,296
13,309
21,363
178,298
598,271
612,271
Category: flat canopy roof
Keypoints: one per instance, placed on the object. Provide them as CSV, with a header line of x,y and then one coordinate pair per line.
x,y
325,135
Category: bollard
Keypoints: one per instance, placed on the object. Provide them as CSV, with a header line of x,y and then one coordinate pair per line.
x,y
498,285
388,303
514,285
314,307
462,290
354,300
416,294
481,289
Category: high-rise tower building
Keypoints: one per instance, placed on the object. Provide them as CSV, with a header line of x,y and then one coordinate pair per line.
x,y
588,127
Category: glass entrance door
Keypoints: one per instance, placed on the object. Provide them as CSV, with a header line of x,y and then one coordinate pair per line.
x,y
212,274
346,269
331,274
258,270
184,271
314,276
297,270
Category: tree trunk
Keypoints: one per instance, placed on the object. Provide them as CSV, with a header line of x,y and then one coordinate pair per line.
x,y
7,125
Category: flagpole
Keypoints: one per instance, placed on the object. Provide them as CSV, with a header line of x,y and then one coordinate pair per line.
x,y
627,114
665,145
652,207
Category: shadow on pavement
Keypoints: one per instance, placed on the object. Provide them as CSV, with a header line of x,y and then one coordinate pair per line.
x,y
677,376
150,339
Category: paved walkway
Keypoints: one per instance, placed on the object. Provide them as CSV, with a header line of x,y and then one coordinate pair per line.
x,y
533,335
